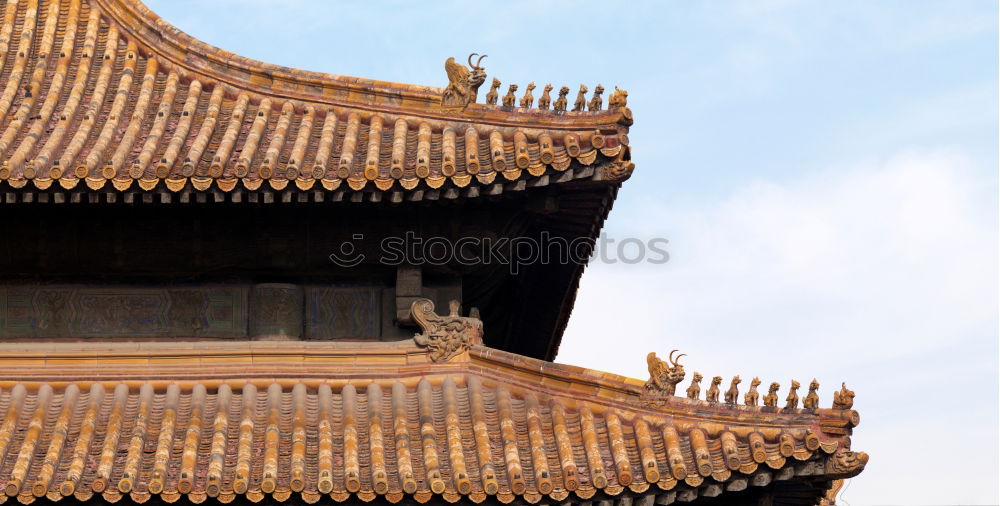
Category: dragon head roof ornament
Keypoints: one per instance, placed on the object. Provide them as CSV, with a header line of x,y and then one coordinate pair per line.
x,y
463,82
663,376
445,337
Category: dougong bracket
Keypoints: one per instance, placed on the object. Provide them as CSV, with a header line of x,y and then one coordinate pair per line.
x,y
445,336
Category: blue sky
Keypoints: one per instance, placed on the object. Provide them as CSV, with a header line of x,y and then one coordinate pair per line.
x,y
826,173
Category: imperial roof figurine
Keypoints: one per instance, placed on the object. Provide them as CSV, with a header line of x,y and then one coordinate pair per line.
x,y
197,302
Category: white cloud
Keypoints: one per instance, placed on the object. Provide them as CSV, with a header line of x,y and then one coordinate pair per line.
x,y
882,274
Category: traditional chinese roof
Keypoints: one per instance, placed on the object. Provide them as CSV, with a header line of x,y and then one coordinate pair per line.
x,y
104,95
371,420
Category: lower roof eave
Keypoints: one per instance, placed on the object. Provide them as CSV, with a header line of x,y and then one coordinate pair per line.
x,y
381,420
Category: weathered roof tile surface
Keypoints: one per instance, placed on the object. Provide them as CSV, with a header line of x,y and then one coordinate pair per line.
x,y
253,419
103,94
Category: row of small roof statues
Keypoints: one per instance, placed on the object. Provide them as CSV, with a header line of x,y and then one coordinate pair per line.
x,y
618,98
664,377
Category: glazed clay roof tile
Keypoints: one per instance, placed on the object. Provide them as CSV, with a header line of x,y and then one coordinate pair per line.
x,y
223,420
107,94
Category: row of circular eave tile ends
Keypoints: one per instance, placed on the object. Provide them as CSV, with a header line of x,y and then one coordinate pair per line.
x,y
558,158
696,437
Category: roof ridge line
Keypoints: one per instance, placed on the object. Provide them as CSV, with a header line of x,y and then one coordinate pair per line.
x,y
192,57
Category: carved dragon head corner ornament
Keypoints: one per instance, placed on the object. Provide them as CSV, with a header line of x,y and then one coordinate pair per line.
x,y
463,82
846,463
664,375
445,337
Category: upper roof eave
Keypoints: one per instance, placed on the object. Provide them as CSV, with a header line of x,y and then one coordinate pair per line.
x,y
194,117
